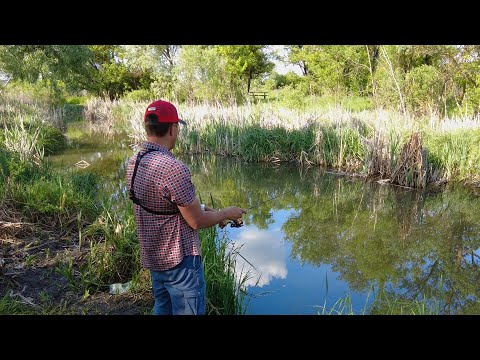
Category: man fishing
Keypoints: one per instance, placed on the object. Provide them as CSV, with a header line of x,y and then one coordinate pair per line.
x,y
168,215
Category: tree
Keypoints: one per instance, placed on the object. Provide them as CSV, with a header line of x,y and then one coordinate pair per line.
x,y
296,56
246,62
52,64
159,61
201,75
333,69
112,75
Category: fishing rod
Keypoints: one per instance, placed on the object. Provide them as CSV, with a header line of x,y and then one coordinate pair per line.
x,y
239,222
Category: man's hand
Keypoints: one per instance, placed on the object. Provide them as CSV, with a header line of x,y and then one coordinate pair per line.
x,y
222,224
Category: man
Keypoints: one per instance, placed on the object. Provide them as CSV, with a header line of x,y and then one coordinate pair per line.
x,y
168,215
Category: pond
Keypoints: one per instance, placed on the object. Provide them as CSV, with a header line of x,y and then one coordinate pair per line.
x,y
314,242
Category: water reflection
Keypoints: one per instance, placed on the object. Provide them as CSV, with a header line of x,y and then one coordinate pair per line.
x,y
262,255
409,244
306,229
105,155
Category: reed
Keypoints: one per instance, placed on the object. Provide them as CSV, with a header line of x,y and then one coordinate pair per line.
x,y
376,143
225,288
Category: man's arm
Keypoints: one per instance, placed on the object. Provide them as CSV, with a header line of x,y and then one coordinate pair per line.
x,y
198,219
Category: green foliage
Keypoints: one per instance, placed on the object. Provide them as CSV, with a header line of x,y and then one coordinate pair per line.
x,y
245,62
225,288
113,77
157,63
84,183
423,88
53,65
357,103
143,95
11,306
5,159
387,92
22,171
51,139
335,69
73,112
26,94
117,257
41,192
472,98
430,78
278,81
76,100
202,76
456,153
291,98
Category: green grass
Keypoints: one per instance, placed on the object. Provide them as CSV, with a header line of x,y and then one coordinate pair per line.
x,y
456,152
225,290
15,304
55,196
344,133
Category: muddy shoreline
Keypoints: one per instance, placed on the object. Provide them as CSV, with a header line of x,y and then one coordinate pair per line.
x,y
30,280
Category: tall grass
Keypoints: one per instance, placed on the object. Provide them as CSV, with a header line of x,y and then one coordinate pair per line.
x,y
53,197
114,254
367,142
456,152
16,103
106,231
348,135
225,288
117,259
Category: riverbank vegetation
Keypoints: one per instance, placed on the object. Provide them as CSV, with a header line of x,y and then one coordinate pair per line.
x,y
404,115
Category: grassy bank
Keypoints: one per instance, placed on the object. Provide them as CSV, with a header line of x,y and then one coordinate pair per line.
x,y
378,144
367,142
64,224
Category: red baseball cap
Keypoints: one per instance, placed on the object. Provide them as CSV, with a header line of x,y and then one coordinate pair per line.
x,y
165,111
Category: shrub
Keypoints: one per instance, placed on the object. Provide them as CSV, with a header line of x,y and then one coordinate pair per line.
x,y
142,95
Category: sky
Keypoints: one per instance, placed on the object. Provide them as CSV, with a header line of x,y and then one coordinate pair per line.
x,y
282,68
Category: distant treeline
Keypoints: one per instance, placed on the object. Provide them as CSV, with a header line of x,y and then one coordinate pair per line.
x,y
419,79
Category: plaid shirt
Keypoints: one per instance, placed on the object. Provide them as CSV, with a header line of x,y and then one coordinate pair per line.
x,y
161,183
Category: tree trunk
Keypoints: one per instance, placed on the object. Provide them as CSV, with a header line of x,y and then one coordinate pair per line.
x,y
374,86
249,81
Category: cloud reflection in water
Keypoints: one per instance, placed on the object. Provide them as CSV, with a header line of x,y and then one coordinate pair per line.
x,y
264,250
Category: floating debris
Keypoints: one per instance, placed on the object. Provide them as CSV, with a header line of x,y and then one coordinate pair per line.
x,y
82,164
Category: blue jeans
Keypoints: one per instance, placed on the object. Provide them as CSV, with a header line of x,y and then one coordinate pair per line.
x,y
180,290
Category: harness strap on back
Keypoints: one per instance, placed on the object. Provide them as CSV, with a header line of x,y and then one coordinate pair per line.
x,y
132,192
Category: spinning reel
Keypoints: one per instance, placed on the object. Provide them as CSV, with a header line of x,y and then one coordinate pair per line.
x,y
236,223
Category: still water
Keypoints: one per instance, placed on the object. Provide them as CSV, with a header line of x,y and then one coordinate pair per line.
x,y
314,242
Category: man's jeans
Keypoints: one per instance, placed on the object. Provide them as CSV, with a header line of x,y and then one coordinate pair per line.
x,y
180,290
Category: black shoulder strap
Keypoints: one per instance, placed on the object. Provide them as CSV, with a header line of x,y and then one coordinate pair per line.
x,y
132,192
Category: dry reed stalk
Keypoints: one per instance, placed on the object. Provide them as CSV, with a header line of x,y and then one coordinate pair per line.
x,y
410,169
98,113
378,161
